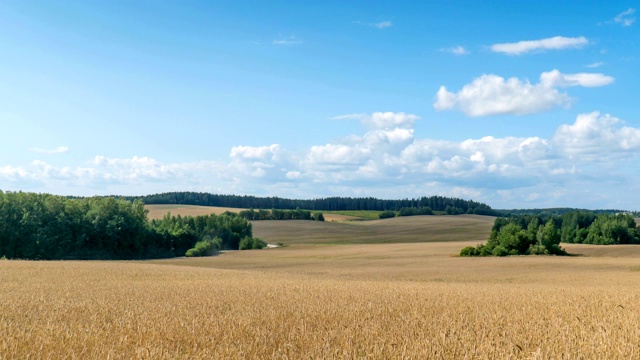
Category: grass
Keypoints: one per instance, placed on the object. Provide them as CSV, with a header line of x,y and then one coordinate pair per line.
x,y
356,214
360,300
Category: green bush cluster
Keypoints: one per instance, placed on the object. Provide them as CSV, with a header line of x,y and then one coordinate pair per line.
x,y
206,247
523,234
387,214
252,243
512,239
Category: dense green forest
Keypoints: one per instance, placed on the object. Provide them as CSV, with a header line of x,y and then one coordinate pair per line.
x,y
542,234
435,203
43,226
560,211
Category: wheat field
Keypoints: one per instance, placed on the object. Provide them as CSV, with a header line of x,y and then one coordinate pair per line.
x,y
370,301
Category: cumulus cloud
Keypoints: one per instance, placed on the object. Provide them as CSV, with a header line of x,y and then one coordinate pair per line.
x,y
626,17
552,43
595,135
57,150
494,95
387,160
256,152
382,120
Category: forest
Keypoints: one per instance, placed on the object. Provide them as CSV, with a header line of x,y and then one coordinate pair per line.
x,y
435,203
46,227
542,234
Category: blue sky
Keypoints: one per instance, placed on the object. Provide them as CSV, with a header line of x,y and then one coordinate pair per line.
x,y
516,104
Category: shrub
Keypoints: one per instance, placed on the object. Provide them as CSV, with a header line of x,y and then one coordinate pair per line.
x,y
485,250
248,243
206,247
192,253
387,214
500,251
258,243
468,251
537,250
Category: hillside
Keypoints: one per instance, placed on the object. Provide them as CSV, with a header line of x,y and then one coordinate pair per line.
x,y
448,205
411,229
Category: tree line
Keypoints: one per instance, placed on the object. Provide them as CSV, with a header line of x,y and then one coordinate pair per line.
x,y
561,211
542,234
435,203
47,227
276,214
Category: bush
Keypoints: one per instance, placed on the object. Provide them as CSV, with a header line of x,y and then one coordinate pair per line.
x,y
468,251
258,244
248,243
500,251
192,253
537,250
206,247
485,250
387,214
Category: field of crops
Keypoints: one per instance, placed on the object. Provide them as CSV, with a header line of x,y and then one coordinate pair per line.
x,y
316,300
158,211
395,230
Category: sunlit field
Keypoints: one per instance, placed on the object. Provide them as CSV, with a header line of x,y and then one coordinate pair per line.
x,y
395,230
411,300
158,211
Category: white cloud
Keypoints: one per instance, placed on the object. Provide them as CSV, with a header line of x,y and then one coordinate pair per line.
x,y
355,116
293,175
594,135
12,172
383,24
555,78
287,41
58,150
382,120
379,25
595,65
456,50
552,43
386,160
494,95
626,17
256,152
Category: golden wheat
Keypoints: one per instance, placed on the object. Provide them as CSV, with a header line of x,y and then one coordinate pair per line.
x,y
331,302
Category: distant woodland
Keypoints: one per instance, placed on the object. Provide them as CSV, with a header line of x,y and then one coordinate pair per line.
x,y
542,234
43,226
452,206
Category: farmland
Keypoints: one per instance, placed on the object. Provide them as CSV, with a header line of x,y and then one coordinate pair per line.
x,y
158,211
323,298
